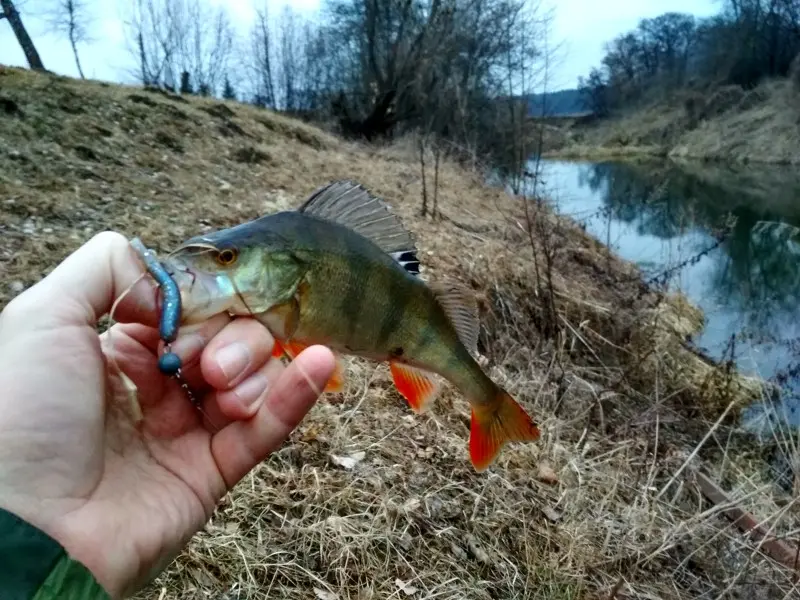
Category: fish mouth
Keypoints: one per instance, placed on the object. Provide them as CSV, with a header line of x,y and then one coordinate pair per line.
x,y
203,294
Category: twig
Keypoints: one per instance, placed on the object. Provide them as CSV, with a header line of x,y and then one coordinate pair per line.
x,y
696,450
781,551
612,595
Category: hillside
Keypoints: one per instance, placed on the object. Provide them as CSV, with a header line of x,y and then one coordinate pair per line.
x,y
723,123
602,361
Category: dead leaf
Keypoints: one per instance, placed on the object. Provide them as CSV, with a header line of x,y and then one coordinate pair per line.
x,y
476,550
348,462
411,505
231,527
325,595
311,434
546,473
551,514
407,589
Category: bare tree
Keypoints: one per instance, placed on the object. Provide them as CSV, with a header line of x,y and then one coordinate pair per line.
x,y
290,49
152,39
169,37
204,41
433,65
260,63
746,42
73,19
15,21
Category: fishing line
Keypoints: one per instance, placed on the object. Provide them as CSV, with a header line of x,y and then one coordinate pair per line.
x,y
130,387
305,375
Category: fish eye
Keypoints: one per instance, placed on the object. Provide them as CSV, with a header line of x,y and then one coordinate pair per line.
x,y
227,257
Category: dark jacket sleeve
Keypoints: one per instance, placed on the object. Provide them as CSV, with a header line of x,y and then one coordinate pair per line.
x,y
34,566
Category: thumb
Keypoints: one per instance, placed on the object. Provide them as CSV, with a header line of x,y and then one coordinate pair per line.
x,y
84,287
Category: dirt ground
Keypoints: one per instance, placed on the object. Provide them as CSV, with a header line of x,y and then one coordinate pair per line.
x,y
601,362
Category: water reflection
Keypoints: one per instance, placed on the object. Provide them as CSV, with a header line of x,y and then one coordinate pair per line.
x,y
659,214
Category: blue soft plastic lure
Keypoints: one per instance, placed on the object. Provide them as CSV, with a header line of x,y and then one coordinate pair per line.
x,y
169,363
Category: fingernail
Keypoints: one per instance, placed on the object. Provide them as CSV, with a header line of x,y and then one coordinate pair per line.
x,y
190,345
233,359
252,389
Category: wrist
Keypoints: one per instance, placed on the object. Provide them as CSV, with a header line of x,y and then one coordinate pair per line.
x,y
34,566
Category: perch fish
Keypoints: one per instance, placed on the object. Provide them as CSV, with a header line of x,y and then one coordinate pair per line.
x,y
342,271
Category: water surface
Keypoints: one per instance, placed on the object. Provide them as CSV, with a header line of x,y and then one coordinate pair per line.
x,y
745,278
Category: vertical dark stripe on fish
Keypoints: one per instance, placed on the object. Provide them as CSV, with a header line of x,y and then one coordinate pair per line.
x,y
429,330
454,360
353,299
400,295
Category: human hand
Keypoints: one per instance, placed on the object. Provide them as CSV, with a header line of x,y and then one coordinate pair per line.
x,y
123,497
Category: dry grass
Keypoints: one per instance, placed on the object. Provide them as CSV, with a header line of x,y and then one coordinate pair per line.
x,y
766,131
729,124
601,508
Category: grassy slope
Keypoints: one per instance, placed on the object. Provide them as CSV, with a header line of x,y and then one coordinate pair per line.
x,y
617,396
761,125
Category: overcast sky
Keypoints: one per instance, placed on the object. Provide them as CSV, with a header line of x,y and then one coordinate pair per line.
x,y
580,28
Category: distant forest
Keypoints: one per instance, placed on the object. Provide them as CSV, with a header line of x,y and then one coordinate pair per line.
x,y
560,103
747,42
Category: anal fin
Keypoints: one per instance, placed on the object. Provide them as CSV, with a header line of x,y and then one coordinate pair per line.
x,y
417,386
292,349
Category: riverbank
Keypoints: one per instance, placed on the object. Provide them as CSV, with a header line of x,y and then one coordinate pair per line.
x,y
606,504
728,123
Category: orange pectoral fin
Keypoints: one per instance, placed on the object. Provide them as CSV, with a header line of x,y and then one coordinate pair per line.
x,y
491,430
416,385
292,349
336,381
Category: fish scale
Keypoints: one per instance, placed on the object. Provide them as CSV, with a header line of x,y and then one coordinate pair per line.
x,y
342,271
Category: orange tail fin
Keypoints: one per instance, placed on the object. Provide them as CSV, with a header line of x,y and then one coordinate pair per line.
x,y
292,349
492,428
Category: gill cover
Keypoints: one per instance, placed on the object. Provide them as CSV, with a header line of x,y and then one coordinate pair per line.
x,y
233,271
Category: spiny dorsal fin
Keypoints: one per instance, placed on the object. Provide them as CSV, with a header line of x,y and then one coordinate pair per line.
x,y
408,260
462,309
348,203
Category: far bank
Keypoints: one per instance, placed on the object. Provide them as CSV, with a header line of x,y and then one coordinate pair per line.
x,y
729,124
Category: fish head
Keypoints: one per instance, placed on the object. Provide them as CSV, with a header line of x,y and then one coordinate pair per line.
x,y
244,270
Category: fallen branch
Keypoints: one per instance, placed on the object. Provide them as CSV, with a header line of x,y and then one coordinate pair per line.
x,y
784,552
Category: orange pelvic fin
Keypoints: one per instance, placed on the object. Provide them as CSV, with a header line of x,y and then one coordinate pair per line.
x,y
416,386
292,349
491,428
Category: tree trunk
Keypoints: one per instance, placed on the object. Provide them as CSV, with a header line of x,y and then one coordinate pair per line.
x,y
74,43
10,13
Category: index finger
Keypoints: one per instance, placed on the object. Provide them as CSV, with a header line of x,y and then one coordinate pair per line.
x,y
241,445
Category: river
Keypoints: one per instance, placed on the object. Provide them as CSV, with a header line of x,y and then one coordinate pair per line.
x,y
659,214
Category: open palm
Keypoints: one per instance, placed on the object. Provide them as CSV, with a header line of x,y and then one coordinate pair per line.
x,y
124,495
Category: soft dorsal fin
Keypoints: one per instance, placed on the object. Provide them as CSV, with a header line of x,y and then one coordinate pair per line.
x,y
462,309
348,203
